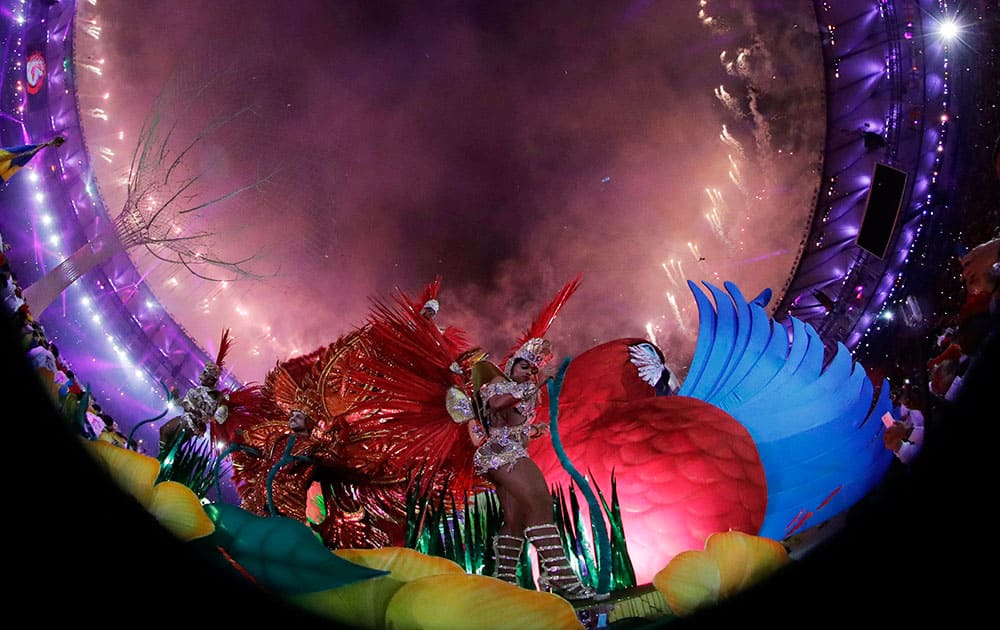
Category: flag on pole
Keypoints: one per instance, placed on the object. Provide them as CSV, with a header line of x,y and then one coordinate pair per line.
x,y
13,158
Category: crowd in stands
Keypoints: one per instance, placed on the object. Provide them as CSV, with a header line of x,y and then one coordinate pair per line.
x,y
976,320
956,341
930,372
74,402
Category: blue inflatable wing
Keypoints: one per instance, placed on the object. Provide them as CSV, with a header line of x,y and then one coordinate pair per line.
x,y
815,422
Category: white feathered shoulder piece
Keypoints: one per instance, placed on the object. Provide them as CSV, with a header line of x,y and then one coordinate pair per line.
x,y
648,361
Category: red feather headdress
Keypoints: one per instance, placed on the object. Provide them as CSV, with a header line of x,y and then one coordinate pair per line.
x,y
531,346
428,297
224,345
213,369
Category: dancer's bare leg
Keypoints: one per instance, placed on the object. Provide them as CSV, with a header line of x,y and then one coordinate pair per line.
x,y
524,491
525,487
509,541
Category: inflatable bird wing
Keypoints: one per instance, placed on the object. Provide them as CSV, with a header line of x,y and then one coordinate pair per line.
x,y
813,421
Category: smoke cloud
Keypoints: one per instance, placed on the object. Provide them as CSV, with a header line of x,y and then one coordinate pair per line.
x,y
504,146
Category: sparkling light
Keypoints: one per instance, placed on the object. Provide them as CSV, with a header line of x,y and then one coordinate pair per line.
x,y
949,29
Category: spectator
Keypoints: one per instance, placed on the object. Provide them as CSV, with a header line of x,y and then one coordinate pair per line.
x,y
72,384
93,426
41,357
905,437
10,293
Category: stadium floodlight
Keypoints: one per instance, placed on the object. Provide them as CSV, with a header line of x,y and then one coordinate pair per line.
x,y
949,29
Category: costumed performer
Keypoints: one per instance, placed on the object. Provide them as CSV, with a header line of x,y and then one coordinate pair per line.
x,y
208,408
363,504
506,403
202,405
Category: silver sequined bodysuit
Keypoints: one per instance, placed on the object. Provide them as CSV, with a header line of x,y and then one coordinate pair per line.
x,y
505,445
201,406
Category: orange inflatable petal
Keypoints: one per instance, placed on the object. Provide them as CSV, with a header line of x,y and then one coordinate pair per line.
x,y
744,559
179,510
731,553
691,580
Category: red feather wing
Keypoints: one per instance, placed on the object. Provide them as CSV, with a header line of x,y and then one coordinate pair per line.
x,y
401,387
247,406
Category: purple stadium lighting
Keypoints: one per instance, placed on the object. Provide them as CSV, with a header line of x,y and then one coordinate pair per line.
x,y
120,344
903,106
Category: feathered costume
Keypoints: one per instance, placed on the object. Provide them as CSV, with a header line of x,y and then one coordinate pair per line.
x,y
409,385
392,412
363,498
208,408
364,465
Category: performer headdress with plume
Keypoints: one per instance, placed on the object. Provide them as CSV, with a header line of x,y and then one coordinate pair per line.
x,y
428,298
213,370
532,346
536,351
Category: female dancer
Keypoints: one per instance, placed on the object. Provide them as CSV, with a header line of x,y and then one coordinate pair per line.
x,y
506,404
410,416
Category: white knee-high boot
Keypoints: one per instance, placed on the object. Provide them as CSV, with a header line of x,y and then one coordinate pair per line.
x,y
556,574
507,551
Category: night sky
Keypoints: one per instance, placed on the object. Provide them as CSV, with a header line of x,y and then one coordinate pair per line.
x,y
506,146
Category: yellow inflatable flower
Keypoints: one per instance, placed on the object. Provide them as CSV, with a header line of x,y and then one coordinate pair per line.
x,y
731,562
173,504
458,601
363,604
423,591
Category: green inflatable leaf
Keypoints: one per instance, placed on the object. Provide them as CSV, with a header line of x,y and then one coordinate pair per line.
x,y
281,554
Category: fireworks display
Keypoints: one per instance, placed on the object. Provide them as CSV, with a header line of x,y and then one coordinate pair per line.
x,y
503,151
